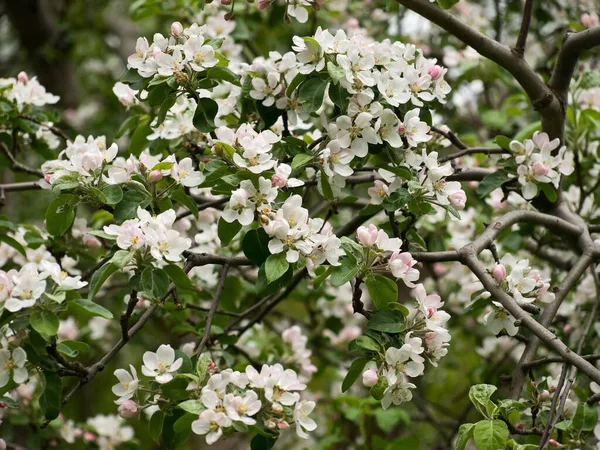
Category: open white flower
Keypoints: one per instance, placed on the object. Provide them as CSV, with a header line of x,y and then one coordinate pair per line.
x,y
184,173
162,364
128,384
13,364
240,408
211,423
303,422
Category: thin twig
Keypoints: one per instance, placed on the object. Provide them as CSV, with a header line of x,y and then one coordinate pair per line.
x,y
213,309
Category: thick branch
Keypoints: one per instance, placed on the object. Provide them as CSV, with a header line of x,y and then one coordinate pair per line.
x,y
16,165
573,45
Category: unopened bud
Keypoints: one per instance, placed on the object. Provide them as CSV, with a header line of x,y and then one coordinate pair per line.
x,y
176,29
458,199
225,2
352,23
499,272
211,366
270,424
435,72
2,444
540,169
370,378
263,4
283,425
155,176
401,128
128,409
277,181
2,405
91,241
23,77
544,395
89,436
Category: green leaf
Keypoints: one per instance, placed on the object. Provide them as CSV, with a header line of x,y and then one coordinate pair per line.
x,y
92,308
325,187
256,246
548,191
338,95
127,207
377,391
61,214
465,432
311,93
113,193
122,257
225,74
585,417
301,160
261,442
155,281
192,406
155,426
446,4
480,395
353,373
204,116
51,398
387,321
296,81
71,348
335,72
276,266
44,322
490,435
181,197
165,106
367,343
178,276
401,171
176,388
382,290
344,272
99,277
227,231
503,142
13,243
492,182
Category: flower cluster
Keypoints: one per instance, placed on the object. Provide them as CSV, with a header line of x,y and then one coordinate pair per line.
x,y
537,164
400,264
23,288
426,339
152,233
296,353
89,161
25,91
221,399
524,284
270,396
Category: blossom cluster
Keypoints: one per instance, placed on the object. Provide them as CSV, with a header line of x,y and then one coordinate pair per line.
x,y
523,283
223,398
537,164
401,264
153,233
426,339
25,91
23,288
84,161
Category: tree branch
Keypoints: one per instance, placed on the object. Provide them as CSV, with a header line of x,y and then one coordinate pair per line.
x,y
213,309
519,48
16,165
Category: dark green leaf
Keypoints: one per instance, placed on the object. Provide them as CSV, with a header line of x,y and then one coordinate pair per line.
x,y
311,93
382,291
61,214
256,246
276,266
353,373
387,321
204,117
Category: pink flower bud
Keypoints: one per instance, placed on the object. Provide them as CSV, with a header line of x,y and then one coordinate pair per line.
x,y
568,328
225,2
283,425
89,436
435,72
155,176
544,395
458,199
589,20
263,4
2,444
211,366
540,169
352,23
367,236
499,272
401,128
176,29
439,268
369,378
277,181
128,409
23,77
48,178
555,443
91,241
